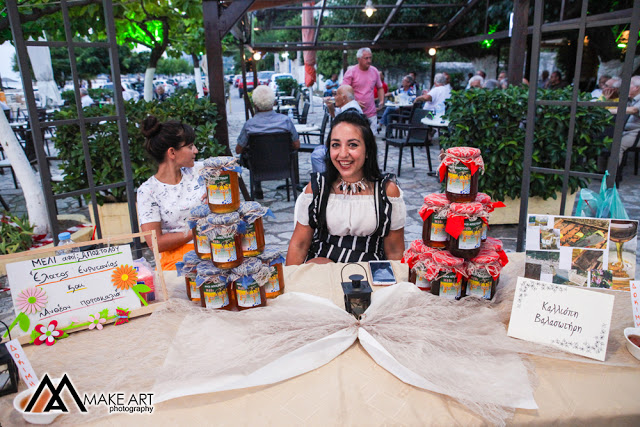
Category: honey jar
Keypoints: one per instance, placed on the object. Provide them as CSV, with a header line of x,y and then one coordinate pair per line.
x,y
274,260
416,257
446,274
493,244
483,273
434,214
249,280
464,225
214,290
253,237
460,169
489,207
201,243
224,233
220,174
188,266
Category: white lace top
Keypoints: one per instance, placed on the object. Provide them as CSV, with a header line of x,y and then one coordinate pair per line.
x,y
351,215
170,204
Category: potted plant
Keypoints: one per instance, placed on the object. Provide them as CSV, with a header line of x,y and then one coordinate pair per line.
x,y
493,121
106,156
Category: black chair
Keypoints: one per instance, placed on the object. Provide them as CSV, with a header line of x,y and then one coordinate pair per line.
x,y
403,115
635,150
302,118
270,158
417,135
306,146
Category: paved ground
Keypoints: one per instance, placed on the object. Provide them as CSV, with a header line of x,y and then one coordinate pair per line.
x,y
414,182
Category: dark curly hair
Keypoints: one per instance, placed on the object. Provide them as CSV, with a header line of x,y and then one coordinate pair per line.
x,y
162,136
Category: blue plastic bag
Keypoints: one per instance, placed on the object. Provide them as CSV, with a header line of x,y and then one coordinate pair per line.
x,y
606,204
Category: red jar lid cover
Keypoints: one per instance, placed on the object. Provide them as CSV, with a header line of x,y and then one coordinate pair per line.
x,y
463,152
486,257
437,200
483,198
468,209
493,244
444,258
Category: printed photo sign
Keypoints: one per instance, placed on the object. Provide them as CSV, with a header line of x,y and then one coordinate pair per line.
x,y
55,294
588,252
572,319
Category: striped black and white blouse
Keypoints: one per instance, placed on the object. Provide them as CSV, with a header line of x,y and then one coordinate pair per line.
x,y
349,228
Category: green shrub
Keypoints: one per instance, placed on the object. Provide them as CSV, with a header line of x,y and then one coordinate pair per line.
x,y
104,143
16,232
493,121
287,85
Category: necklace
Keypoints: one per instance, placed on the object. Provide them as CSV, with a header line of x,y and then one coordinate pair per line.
x,y
352,187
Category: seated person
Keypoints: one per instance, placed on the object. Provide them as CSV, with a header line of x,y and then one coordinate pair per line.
x,y
611,92
85,99
352,212
165,199
632,125
439,93
405,93
265,121
160,94
331,85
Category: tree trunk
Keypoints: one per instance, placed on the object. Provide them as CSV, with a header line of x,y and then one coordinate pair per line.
x,y
197,75
31,188
148,83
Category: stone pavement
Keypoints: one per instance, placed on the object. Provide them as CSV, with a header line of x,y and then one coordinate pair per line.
x,y
414,182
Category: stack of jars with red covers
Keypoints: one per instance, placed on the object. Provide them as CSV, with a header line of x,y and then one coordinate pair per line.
x,y
230,267
455,258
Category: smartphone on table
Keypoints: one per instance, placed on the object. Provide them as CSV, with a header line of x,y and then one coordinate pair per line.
x,y
382,273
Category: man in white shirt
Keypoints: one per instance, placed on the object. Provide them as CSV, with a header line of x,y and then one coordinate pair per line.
x,y
632,125
438,93
597,92
345,99
86,99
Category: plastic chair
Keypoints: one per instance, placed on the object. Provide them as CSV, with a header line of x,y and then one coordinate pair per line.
x,y
417,135
270,158
307,147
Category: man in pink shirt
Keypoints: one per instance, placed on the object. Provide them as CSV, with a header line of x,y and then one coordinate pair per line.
x,y
363,78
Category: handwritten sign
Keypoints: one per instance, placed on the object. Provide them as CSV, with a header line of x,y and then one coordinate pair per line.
x,y
70,288
573,319
635,301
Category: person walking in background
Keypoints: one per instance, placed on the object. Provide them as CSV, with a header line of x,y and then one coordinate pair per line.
x,y
363,78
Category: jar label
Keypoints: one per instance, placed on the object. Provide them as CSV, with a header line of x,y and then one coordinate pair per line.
x,y
484,231
193,288
438,233
458,179
479,284
471,236
273,285
219,190
224,249
422,282
449,286
249,240
215,296
249,296
203,244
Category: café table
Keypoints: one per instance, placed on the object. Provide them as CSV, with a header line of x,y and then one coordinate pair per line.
x,y
353,390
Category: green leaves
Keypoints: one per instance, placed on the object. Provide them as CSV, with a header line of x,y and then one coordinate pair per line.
x,y
493,120
23,321
16,234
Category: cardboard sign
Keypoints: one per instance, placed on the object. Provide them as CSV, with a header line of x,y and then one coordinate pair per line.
x,y
635,302
587,252
72,288
572,319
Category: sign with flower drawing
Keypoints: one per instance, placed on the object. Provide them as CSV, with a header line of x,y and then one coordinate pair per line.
x,y
57,294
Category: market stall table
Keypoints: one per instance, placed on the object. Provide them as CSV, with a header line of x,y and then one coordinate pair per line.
x,y
353,390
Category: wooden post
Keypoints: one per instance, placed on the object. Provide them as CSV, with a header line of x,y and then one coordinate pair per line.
x,y
345,64
433,71
518,42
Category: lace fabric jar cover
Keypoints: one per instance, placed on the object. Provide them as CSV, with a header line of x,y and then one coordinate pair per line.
x,y
201,243
215,291
459,169
220,175
249,281
446,273
253,237
188,266
483,274
224,233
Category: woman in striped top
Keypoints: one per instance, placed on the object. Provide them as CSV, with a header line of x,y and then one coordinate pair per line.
x,y
352,212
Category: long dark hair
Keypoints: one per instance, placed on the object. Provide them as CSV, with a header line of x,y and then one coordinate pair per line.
x,y
370,169
162,136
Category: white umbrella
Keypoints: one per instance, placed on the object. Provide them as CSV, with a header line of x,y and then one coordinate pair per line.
x,y
41,63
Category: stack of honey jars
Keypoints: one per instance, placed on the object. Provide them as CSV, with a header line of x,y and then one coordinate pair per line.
x,y
455,258
230,265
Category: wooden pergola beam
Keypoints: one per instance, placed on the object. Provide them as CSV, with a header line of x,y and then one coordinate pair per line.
x,y
390,17
308,27
455,19
378,6
315,36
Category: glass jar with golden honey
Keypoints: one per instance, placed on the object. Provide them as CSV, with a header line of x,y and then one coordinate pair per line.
x,y
485,201
224,233
188,267
460,169
201,243
273,259
446,275
434,214
220,175
215,291
464,225
253,237
483,274
249,280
